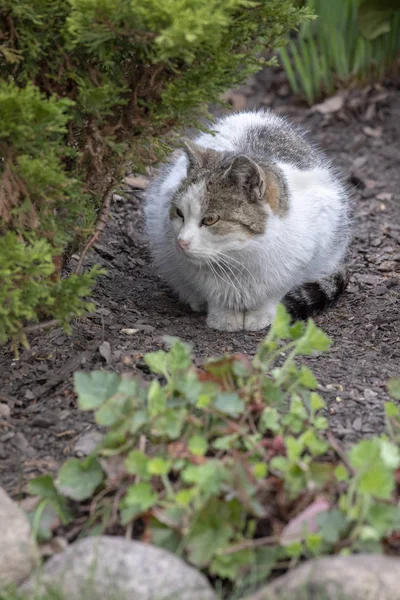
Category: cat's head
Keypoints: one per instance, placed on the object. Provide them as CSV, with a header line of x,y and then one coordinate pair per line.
x,y
223,203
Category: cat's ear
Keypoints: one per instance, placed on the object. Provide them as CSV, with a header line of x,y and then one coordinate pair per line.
x,y
260,185
248,175
195,154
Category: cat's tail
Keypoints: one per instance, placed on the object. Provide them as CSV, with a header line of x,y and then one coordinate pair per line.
x,y
310,299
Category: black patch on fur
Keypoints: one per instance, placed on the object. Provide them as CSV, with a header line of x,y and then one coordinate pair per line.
x,y
311,299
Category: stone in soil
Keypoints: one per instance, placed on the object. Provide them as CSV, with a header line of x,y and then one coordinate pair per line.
x,y
18,551
106,568
358,577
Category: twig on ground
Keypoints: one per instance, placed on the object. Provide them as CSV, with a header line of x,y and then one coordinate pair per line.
x,y
340,452
270,540
101,223
40,326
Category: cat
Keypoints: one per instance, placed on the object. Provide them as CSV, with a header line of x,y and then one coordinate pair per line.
x,y
250,215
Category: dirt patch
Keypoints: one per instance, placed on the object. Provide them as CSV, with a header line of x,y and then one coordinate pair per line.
x,y
364,142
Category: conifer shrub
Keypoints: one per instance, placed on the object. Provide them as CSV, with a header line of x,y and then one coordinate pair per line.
x,y
88,86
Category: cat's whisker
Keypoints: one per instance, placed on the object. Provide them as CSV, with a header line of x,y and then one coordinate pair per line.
x,y
227,280
225,257
225,266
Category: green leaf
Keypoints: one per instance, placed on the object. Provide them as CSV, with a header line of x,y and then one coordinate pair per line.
x,y
270,420
394,388
368,533
158,466
313,339
316,402
332,524
364,453
136,463
341,473
180,358
113,440
95,388
139,419
314,443
129,513
44,486
297,330
203,401
241,369
198,445
295,550
279,463
307,378
391,409
157,398
272,392
313,543
297,408
164,537
43,521
211,531
260,470
204,542
384,518
232,566
158,362
373,475
111,411
229,403
141,496
294,448
169,424
281,324
184,497
390,454
210,477
78,479
226,442
321,423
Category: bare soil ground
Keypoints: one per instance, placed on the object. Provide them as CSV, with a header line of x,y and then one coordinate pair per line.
x,y
363,138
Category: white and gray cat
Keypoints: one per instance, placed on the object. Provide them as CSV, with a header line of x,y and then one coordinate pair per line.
x,y
249,216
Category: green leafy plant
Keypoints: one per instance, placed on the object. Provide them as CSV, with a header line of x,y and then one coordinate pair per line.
x,y
349,41
88,87
229,465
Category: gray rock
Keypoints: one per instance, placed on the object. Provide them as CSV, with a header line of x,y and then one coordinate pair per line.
x,y
18,551
359,577
107,568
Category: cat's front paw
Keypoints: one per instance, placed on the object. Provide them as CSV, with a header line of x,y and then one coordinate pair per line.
x,y
228,320
255,320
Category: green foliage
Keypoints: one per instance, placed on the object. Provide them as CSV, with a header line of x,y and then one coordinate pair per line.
x,y
208,459
88,86
349,41
27,291
375,17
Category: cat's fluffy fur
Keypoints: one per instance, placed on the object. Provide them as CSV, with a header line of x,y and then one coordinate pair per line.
x,y
249,216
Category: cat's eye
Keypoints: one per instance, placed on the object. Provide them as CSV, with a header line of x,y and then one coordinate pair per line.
x,y
208,221
179,213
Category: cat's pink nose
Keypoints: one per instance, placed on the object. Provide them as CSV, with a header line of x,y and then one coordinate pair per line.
x,y
184,244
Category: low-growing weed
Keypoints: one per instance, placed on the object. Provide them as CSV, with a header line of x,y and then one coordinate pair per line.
x,y
228,465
